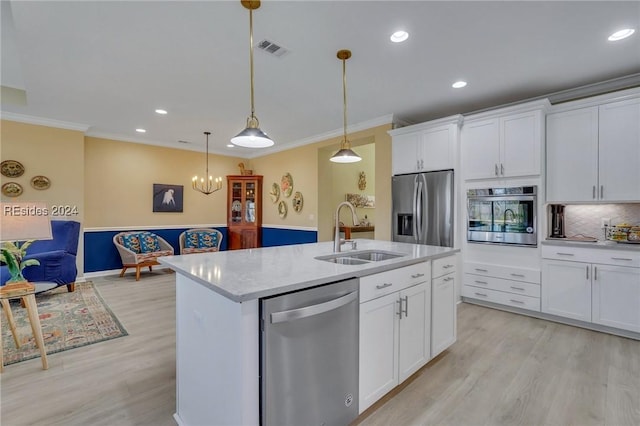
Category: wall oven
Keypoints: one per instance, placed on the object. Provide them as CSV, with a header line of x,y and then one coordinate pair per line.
x,y
502,215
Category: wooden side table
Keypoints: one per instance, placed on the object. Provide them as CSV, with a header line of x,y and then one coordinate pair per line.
x,y
26,292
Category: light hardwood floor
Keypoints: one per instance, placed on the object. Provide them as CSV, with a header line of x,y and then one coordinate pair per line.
x,y
505,369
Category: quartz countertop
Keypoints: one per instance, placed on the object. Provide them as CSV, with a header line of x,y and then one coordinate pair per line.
x,y
605,245
243,275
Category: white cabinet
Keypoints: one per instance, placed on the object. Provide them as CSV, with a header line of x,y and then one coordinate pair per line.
x,y
593,152
592,285
425,147
503,143
616,297
566,289
443,304
504,285
395,328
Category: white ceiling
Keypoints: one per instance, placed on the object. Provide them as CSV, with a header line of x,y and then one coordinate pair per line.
x,y
110,64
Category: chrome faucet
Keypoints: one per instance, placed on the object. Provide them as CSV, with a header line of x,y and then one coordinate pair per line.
x,y
337,241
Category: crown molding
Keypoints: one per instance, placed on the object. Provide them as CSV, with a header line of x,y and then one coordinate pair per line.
x,y
29,119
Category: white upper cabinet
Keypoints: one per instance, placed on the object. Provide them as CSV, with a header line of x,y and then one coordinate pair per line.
x,y
593,151
504,143
425,147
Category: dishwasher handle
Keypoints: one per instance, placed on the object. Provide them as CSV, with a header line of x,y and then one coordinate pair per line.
x,y
309,311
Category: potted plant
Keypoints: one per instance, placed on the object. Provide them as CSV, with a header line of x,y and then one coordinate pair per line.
x,y
12,254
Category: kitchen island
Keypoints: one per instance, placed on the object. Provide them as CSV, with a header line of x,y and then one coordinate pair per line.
x,y
217,318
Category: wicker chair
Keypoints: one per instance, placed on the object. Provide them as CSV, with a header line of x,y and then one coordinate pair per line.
x,y
202,240
139,249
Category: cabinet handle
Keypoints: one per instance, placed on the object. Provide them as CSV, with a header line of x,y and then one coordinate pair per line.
x,y
593,192
481,270
595,273
447,279
399,313
406,306
481,282
417,275
502,169
447,266
480,294
421,164
417,164
622,258
516,301
601,191
587,271
565,254
517,288
385,285
517,275
496,169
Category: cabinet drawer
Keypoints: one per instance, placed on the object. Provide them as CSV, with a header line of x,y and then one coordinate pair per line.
x,y
515,300
443,266
500,284
500,271
373,286
593,255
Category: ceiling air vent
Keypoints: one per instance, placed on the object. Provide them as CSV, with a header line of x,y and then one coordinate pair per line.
x,y
272,48
182,141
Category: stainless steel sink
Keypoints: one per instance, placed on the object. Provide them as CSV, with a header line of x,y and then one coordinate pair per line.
x,y
359,257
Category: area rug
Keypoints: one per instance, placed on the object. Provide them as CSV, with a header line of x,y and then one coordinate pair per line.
x,y
69,320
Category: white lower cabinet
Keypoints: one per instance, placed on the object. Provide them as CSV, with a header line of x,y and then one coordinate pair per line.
x,y
443,304
592,285
395,329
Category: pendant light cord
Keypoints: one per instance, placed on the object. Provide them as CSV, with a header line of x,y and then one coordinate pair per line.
x,y
207,168
344,97
251,59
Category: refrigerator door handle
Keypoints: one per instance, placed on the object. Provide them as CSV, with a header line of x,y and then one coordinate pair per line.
x,y
424,209
419,210
415,208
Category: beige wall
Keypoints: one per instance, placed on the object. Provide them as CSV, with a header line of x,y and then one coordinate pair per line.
x,y
313,176
119,182
55,153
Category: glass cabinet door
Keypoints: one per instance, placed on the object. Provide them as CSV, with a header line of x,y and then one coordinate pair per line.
x,y
236,202
250,205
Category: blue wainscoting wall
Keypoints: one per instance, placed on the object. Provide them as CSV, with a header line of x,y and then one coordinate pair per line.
x,y
284,237
100,254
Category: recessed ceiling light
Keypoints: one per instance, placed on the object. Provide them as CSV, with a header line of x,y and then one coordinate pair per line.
x,y
161,111
399,36
230,145
619,35
141,131
459,84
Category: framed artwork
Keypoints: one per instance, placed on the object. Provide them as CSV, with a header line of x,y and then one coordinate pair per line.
x,y
167,198
364,201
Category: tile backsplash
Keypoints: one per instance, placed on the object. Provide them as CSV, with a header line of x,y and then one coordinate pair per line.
x,y
585,219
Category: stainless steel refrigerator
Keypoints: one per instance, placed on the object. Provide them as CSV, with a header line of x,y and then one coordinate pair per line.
x,y
423,208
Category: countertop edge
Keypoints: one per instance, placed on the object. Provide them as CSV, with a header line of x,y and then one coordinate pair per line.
x,y
378,267
600,245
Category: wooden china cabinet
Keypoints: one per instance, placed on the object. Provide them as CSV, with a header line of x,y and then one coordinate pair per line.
x,y
244,211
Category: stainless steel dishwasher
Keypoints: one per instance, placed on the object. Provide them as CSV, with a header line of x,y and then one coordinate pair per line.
x,y
309,356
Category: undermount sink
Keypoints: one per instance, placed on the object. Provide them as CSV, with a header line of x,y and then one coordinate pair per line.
x,y
359,257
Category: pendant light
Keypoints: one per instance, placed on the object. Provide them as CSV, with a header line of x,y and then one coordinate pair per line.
x,y
252,136
206,184
345,154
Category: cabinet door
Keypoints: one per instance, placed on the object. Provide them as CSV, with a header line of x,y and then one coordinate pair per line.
x,y
404,153
436,151
616,297
379,340
443,313
481,149
572,155
520,144
415,329
619,151
566,289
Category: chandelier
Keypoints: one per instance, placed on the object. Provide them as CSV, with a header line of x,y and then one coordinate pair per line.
x,y
207,185
252,136
345,154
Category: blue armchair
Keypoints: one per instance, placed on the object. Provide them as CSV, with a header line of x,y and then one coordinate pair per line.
x,y
57,256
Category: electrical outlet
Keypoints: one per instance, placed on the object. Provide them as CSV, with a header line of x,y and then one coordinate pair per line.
x,y
605,221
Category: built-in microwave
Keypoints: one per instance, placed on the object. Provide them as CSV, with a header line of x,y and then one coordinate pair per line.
x,y
502,215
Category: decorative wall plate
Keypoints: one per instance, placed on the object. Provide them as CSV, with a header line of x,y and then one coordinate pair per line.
x,y
297,202
274,194
282,209
40,182
11,168
12,189
286,185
